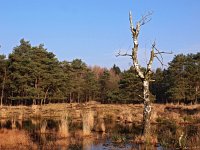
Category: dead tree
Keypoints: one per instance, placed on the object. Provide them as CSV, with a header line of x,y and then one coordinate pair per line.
x,y
145,76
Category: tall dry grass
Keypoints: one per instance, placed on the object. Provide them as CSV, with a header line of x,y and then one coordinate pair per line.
x,y
43,126
63,127
100,124
88,122
15,139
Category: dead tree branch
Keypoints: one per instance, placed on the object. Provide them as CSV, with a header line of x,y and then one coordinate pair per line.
x,y
158,54
123,54
145,76
135,33
145,19
141,97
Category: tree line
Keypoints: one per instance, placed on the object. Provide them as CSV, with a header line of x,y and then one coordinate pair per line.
x,y
32,75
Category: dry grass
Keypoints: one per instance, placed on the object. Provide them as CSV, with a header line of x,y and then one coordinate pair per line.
x,y
113,111
152,140
43,126
88,122
12,139
63,127
176,113
100,124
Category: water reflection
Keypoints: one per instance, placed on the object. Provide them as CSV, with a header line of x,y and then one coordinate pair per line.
x,y
94,132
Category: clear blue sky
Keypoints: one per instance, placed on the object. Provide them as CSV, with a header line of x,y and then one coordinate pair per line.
x,y
95,30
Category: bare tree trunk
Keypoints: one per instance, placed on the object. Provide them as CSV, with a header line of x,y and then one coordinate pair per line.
x,y
45,96
70,97
3,87
78,98
145,76
36,86
196,94
147,108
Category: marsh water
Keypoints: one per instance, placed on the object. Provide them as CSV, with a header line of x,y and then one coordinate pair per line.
x,y
49,133
45,133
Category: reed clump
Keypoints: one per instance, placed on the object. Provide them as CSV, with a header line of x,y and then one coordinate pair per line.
x,y
63,126
15,139
88,122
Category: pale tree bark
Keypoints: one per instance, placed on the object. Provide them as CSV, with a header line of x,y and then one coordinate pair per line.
x,y
145,76
147,108
36,86
45,96
70,97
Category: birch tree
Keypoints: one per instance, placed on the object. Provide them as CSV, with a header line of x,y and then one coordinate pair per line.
x,y
145,76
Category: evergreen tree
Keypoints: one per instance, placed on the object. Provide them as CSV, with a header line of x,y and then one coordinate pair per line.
x,y
103,81
3,77
34,72
192,76
91,86
184,78
116,69
160,85
79,69
178,82
130,86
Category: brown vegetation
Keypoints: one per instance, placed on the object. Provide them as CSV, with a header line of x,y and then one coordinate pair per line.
x,y
179,123
130,112
88,122
63,126
15,139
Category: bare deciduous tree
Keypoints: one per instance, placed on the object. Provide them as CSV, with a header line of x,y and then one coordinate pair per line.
x,y
145,76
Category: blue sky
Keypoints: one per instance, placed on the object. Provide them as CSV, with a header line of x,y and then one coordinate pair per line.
x,y
95,30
